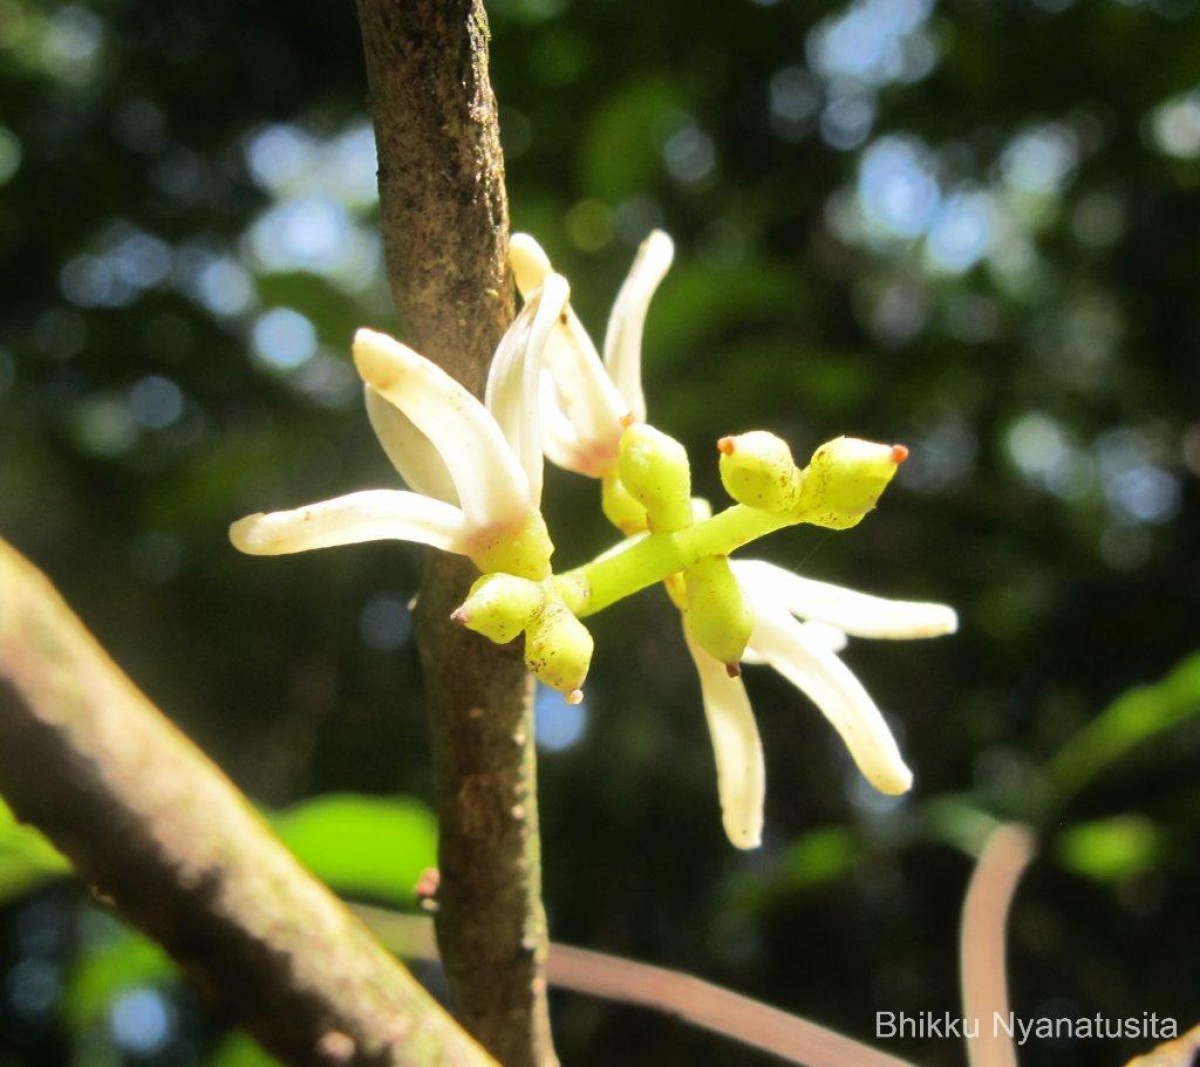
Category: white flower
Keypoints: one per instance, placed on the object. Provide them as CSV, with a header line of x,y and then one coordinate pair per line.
x,y
806,654
584,398
476,468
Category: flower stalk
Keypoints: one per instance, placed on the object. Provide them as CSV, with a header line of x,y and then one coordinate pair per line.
x,y
842,494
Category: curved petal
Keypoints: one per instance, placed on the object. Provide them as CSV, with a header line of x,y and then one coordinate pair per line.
x,y
583,406
854,613
373,515
818,633
830,684
492,486
528,262
623,338
586,396
516,371
411,452
741,777
561,442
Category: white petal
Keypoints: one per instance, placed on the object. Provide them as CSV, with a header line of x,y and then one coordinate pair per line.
x,y
583,396
411,452
373,515
854,613
491,484
741,777
830,684
623,339
561,442
586,396
819,633
528,262
516,371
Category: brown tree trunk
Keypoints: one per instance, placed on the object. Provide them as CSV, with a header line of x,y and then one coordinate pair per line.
x,y
445,231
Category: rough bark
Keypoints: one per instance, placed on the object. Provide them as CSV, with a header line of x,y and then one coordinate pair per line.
x,y
445,231
441,178
156,829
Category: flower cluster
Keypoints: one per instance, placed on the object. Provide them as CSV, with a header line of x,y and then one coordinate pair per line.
x,y
475,476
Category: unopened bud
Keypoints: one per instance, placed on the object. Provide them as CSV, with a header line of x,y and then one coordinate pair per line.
x,y
655,470
845,479
715,611
500,606
619,506
757,470
558,650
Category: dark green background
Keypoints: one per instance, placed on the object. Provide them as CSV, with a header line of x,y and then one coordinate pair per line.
x,y
1048,391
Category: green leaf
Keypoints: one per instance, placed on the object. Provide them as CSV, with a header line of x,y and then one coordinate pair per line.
x,y
117,960
240,1050
1110,850
1133,719
819,857
814,859
364,845
26,858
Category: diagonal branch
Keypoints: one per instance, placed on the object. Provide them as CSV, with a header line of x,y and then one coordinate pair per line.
x,y
445,232
721,1011
156,829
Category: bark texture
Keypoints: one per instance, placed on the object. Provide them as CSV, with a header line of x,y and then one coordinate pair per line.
x,y
445,231
441,178
154,827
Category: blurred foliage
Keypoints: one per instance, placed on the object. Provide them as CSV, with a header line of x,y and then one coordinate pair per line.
x,y
371,848
968,226
363,845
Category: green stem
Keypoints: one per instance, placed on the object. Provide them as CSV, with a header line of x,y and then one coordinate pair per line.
x,y
616,575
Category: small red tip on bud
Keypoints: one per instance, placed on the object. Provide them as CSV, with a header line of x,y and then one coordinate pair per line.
x,y
899,454
627,420
459,615
726,446
575,696
734,670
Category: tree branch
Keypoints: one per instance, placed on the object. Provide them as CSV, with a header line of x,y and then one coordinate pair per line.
x,y
983,973
156,829
695,1001
445,232
441,178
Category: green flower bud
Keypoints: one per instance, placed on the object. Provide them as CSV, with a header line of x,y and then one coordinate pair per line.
x,y
845,479
757,470
715,610
558,650
619,506
655,470
500,606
